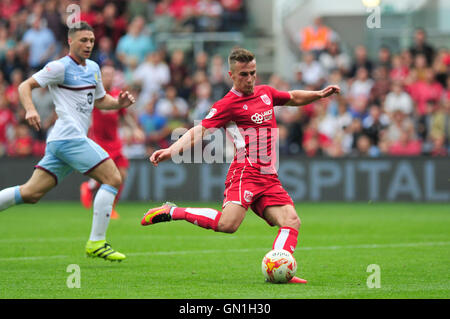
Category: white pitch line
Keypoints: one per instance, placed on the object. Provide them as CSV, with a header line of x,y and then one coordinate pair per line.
x,y
243,250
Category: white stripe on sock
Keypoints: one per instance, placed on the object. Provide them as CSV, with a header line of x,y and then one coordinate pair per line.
x,y
281,239
205,212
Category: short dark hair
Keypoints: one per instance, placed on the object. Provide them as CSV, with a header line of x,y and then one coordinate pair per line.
x,y
82,26
240,55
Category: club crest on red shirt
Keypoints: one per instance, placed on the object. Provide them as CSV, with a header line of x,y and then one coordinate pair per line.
x,y
266,99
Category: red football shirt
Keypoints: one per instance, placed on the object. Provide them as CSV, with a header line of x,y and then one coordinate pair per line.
x,y
250,120
105,127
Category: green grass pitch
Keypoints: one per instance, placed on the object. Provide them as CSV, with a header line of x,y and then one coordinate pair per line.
x,y
409,242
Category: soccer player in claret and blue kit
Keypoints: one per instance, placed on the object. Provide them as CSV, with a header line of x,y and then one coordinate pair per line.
x,y
247,113
75,84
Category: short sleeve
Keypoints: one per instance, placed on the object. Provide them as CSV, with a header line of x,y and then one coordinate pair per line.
x,y
52,73
279,97
99,89
219,115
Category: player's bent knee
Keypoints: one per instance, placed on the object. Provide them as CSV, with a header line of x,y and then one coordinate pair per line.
x,y
292,220
116,181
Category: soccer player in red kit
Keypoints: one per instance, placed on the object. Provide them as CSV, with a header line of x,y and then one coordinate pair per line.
x,y
105,132
247,112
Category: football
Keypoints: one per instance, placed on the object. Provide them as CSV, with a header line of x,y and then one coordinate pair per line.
x,y
279,266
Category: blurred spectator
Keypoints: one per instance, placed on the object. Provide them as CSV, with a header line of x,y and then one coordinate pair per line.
x,y
135,45
153,75
438,146
399,122
384,58
176,15
420,67
360,60
328,124
422,91
12,91
200,62
441,65
104,53
19,24
178,69
343,116
360,89
209,15
381,85
234,15
142,8
431,125
374,123
407,144
332,58
312,70
312,142
421,46
202,102
365,147
399,70
6,42
22,144
55,23
154,126
217,77
173,108
398,100
7,123
43,101
88,13
8,8
315,38
41,43
10,63
336,77
111,24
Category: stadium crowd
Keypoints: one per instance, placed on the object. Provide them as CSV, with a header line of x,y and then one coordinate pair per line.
x,y
397,104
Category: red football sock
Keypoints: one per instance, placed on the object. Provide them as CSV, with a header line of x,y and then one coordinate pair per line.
x,y
286,239
204,217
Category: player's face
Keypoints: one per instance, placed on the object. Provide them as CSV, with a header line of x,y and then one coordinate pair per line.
x,y
244,76
82,43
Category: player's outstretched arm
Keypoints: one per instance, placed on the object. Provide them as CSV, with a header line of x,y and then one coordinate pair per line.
x,y
107,102
189,139
300,97
31,116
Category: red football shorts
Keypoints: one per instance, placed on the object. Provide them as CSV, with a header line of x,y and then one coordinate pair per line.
x,y
247,187
121,161
114,149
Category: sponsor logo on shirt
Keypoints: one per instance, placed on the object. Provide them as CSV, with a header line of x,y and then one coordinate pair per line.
x,y
258,118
